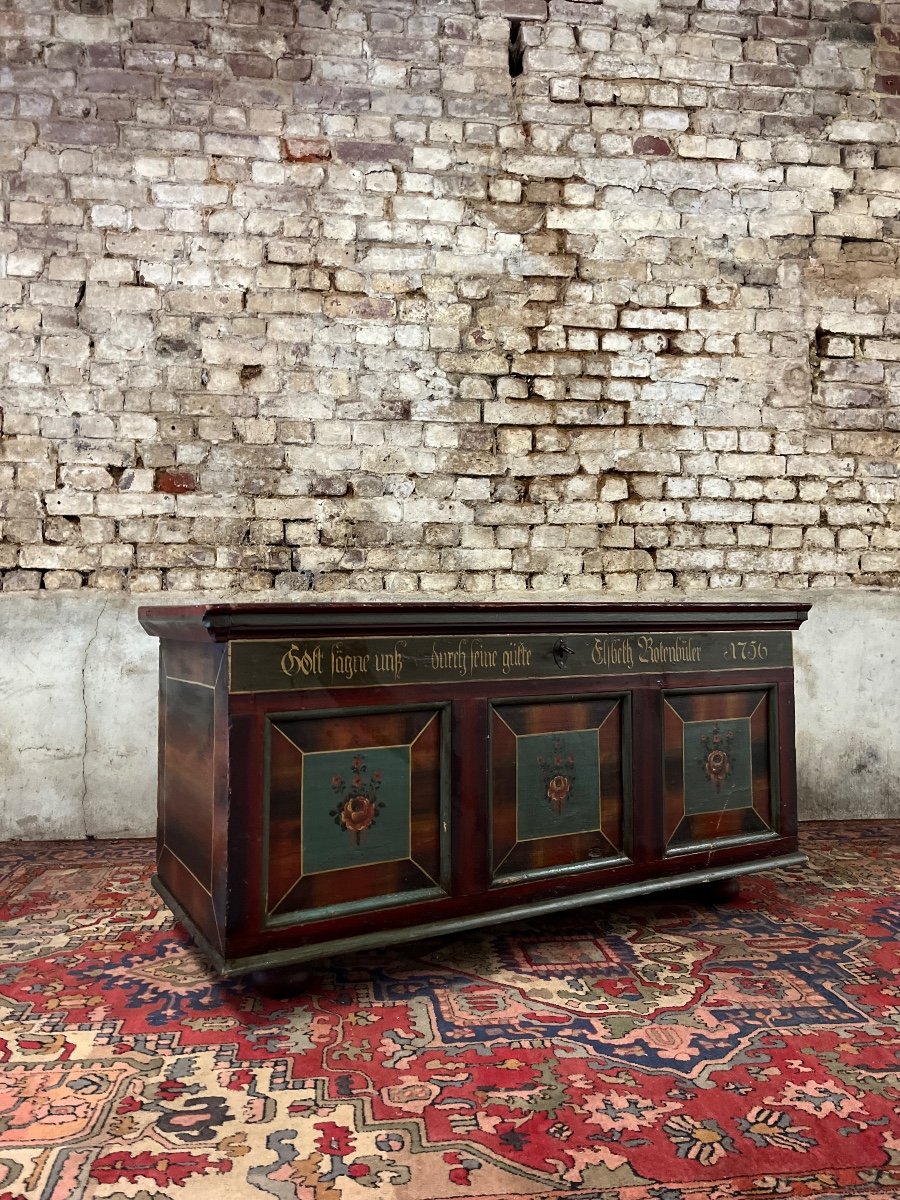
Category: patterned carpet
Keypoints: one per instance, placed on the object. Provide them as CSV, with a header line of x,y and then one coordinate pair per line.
x,y
669,1050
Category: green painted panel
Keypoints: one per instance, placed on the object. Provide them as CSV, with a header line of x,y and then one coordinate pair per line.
x,y
718,768
558,784
356,808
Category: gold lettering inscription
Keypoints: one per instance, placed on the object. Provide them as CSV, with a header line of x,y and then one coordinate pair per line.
x,y
303,661
663,651
390,662
347,665
358,661
750,650
449,660
613,651
517,655
482,658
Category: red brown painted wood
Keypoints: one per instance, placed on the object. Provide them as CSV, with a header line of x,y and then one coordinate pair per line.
x,y
339,776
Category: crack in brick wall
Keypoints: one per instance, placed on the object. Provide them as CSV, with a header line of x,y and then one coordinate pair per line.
x,y
473,295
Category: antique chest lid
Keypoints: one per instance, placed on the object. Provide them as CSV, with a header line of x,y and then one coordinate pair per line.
x,y
225,622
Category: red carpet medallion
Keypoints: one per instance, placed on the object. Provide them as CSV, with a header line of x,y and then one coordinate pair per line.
x,y
661,1051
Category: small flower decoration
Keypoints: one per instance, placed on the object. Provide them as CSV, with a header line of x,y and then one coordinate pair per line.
x,y
358,806
558,789
559,775
717,765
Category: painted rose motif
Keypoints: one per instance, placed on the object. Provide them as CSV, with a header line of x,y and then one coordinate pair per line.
x,y
357,813
559,775
359,807
717,764
558,789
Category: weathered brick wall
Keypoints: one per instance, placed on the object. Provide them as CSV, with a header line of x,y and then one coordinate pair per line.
x,y
449,294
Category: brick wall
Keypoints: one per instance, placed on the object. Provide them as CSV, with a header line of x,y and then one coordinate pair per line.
x,y
455,294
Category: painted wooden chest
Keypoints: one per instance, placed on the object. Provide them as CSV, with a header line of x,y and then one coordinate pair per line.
x,y
339,776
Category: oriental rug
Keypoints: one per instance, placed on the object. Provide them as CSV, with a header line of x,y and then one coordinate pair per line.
x,y
676,1049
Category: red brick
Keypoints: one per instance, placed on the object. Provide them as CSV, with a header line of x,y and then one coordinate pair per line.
x,y
850,31
189,86
79,133
243,12
787,27
458,29
305,150
251,66
763,76
295,70
279,12
793,54
651,145
103,54
514,10
171,33
865,13
174,482
371,152
113,109
129,83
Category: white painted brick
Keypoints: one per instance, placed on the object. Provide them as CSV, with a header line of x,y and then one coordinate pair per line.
x,y
634,339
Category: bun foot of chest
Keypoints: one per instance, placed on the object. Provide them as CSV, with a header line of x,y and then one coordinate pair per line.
x,y
279,983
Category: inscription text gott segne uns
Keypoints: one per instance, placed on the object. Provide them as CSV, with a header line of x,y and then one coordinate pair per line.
x,y
345,662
